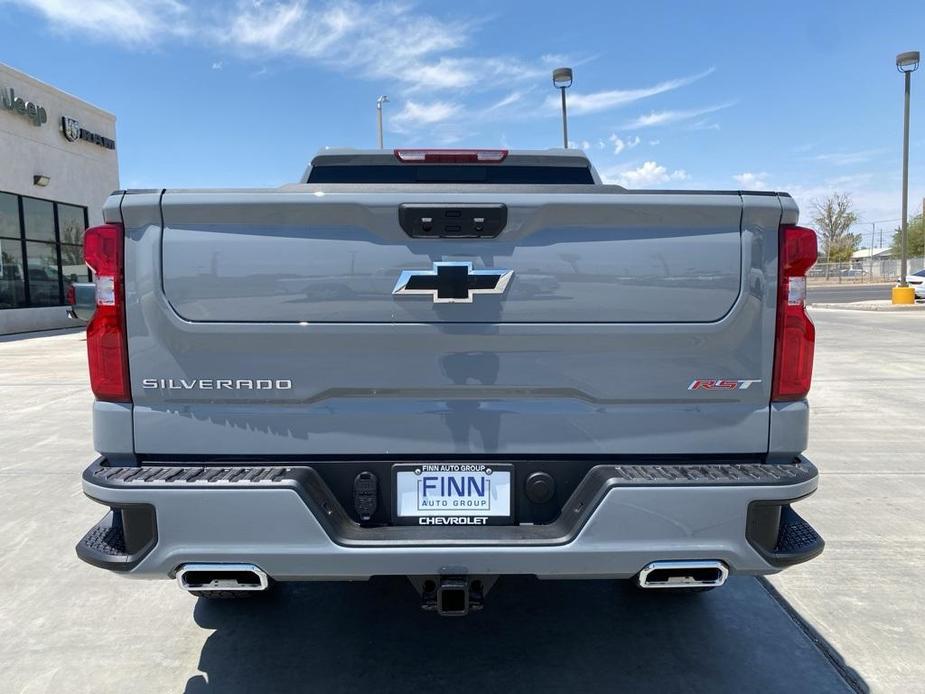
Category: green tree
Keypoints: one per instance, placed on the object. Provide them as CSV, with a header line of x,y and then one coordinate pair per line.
x,y
915,239
834,216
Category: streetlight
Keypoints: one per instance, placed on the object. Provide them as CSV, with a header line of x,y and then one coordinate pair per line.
x,y
562,80
906,63
381,100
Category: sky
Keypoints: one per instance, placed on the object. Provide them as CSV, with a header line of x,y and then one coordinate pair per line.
x,y
800,97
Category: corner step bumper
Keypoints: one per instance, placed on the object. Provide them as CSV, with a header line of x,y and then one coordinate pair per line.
x,y
285,520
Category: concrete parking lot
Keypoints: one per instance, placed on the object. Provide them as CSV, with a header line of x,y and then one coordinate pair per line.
x,y
848,621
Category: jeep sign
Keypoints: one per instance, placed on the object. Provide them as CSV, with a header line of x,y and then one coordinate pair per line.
x,y
35,113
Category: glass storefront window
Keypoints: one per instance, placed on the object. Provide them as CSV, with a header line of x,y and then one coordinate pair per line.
x,y
12,280
53,254
71,225
73,268
44,277
39,217
9,216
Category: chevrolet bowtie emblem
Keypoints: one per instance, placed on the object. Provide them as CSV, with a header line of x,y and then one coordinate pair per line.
x,y
452,283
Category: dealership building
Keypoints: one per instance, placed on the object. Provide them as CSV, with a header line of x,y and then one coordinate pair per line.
x,y
58,164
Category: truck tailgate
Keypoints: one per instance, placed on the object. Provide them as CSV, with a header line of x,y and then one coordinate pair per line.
x,y
264,322
583,259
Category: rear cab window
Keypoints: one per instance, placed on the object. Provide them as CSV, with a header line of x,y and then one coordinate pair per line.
x,y
451,173
451,167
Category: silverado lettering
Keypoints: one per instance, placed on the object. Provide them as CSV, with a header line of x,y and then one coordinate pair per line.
x,y
217,384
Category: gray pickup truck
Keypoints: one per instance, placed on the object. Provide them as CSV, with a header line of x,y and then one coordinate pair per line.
x,y
449,365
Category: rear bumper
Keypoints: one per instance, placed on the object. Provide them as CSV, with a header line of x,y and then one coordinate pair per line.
x,y
286,521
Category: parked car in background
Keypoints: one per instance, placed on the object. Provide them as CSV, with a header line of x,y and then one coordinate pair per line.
x,y
916,280
80,298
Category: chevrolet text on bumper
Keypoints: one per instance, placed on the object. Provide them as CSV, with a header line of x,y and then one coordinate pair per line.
x,y
452,366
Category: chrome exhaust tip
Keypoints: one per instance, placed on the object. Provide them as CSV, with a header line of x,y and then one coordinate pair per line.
x,y
683,574
209,577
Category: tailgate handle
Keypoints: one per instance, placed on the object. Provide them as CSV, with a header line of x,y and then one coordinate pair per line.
x,y
459,221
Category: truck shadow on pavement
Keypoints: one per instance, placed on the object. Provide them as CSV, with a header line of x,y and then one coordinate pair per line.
x,y
17,337
533,635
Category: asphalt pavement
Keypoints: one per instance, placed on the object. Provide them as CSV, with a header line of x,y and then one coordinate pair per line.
x,y
847,621
843,293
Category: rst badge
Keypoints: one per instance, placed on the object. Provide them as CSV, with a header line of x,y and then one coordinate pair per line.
x,y
452,282
722,384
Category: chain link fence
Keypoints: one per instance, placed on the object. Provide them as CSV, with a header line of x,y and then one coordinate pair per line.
x,y
860,271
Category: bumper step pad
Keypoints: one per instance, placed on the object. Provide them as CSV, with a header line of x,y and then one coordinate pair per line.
x,y
780,535
121,539
173,475
796,538
709,474
106,540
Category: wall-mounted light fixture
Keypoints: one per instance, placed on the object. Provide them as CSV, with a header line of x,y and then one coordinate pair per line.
x,y
40,180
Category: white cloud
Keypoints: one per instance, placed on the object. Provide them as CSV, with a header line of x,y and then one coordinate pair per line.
x,y
654,143
649,174
218,65
620,144
414,114
509,100
594,102
124,21
446,73
554,58
751,181
656,118
848,158
388,40
392,40
705,124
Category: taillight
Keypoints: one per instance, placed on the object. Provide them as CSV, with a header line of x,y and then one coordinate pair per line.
x,y
795,339
451,156
107,343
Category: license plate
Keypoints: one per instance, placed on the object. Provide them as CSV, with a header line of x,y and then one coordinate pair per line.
x,y
444,494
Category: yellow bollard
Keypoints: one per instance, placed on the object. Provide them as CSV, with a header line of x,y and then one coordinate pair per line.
x,y
903,295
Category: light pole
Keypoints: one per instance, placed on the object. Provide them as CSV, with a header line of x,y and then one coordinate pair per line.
x,y
906,63
562,80
381,100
